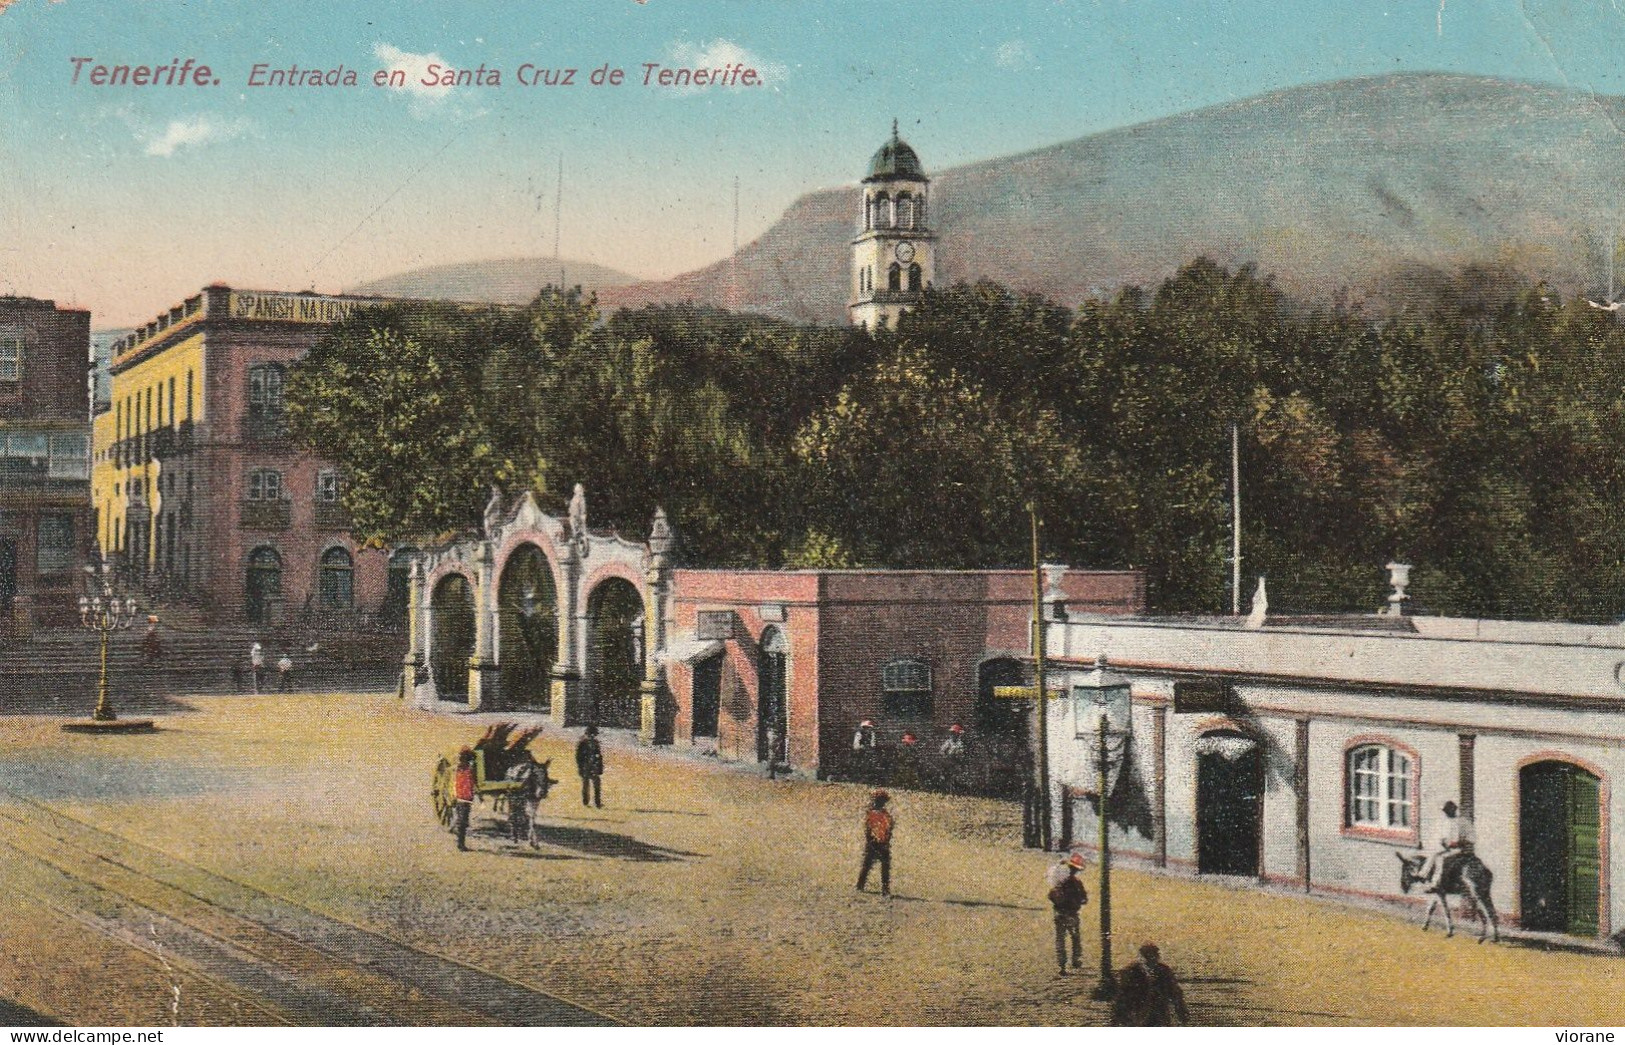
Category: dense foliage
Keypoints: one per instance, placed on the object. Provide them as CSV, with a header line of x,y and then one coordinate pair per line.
x,y
1480,435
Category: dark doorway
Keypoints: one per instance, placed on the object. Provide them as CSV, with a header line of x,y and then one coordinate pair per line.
x,y
263,585
528,628
770,693
1001,728
707,696
1559,846
615,654
399,589
1229,803
8,575
452,641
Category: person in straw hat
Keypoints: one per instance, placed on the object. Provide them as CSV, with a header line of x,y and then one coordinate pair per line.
x,y
1067,897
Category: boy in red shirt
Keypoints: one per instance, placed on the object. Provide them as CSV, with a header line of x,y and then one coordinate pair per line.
x,y
877,831
463,792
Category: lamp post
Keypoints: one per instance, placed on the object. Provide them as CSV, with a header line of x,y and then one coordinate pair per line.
x,y
105,612
1105,698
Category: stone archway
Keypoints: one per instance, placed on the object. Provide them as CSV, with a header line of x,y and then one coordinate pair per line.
x,y
527,640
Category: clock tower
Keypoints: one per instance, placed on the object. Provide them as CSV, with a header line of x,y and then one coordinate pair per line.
x,y
894,254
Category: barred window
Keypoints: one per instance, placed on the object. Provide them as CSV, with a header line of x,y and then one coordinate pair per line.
x,y
906,686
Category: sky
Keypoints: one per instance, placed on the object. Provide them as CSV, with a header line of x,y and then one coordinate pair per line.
x,y
127,199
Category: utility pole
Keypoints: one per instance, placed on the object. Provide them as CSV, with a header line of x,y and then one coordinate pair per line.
x,y
1235,521
1041,688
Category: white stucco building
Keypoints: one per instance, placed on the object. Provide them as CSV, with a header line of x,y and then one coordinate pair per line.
x,y
1307,751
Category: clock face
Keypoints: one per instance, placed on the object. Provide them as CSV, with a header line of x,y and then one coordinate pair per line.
x,y
905,252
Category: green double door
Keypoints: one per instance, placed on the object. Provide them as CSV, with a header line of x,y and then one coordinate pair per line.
x,y
1560,847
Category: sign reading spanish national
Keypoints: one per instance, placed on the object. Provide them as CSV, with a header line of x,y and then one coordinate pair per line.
x,y
292,308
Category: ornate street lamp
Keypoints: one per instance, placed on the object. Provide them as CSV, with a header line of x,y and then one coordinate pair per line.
x,y
1102,705
105,612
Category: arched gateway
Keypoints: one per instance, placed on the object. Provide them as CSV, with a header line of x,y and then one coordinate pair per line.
x,y
563,619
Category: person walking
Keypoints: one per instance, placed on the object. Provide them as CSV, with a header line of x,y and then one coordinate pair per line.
x,y
863,752
953,755
462,793
1148,995
256,664
152,644
775,753
590,766
877,832
1067,897
284,673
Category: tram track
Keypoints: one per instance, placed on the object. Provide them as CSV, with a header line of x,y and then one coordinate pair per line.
x,y
292,962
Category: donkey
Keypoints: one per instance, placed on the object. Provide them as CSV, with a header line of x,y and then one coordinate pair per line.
x,y
523,803
1468,876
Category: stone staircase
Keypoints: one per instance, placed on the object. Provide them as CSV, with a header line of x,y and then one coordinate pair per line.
x,y
57,671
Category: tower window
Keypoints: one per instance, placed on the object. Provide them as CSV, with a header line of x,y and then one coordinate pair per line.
x,y
905,211
882,209
914,276
894,277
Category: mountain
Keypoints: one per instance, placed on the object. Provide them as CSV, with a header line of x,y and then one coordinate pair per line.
x,y
508,281
1369,186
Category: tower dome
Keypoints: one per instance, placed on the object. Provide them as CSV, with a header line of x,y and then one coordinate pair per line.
x,y
895,159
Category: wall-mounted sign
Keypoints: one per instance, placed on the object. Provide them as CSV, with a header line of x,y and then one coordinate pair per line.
x,y
1203,696
714,625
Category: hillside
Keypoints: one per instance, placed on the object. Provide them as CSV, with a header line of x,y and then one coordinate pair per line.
x,y
507,281
1366,185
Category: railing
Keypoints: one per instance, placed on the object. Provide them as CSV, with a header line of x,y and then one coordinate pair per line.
x,y
263,428
330,515
266,515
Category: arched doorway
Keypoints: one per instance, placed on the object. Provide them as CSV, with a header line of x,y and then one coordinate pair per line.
x,y
336,582
399,589
615,654
1229,802
452,641
263,585
772,707
527,628
1559,848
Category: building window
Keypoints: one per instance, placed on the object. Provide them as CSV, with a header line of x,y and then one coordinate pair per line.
x,y
70,457
915,276
265,484
882,211
894,277
11,357
905,684
55,543
327,486
337,580
905,211
1381,785
265,385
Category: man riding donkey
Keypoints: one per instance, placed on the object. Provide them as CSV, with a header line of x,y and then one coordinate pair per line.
x,y
1454,870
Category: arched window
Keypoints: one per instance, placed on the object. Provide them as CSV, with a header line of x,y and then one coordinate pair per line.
x,y
1380,788
882,209
337,581
915,276
265,390
905,685
905,211
919,212
894,277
